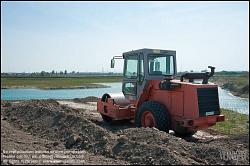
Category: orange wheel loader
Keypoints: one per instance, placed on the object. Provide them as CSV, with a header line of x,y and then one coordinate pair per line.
x,y
153,97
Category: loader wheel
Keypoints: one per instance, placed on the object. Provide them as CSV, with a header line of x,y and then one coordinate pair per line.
x,y
153,114
185,134
106,119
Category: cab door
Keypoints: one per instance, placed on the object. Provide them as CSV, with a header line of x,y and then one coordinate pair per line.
x,y
140,81
130,76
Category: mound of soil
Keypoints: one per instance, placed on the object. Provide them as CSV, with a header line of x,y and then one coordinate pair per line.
x,y
86,99
49,120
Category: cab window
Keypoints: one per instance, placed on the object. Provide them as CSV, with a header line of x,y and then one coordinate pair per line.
x,y
130,88
161,65
131,67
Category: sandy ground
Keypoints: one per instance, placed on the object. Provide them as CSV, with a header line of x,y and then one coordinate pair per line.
x,y
56,130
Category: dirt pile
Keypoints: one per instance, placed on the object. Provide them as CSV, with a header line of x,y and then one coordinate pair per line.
x,y
151,146
86,99
47,119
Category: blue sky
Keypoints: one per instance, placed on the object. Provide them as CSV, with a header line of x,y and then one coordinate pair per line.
x,y
83,36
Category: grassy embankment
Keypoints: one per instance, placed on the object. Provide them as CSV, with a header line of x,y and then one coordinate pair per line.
x,y
57,82
236,82
235,123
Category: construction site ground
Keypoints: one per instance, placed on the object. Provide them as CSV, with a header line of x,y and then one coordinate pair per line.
x,y
72,132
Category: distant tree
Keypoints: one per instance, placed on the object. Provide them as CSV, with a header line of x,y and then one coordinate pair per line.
x,y
65,72
33,74
42,73
61,72
53,72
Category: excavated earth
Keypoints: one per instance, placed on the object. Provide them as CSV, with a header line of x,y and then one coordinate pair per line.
x,y
75,125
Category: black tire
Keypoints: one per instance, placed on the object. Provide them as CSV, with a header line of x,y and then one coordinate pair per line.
x,y
184,133
159,112
107,119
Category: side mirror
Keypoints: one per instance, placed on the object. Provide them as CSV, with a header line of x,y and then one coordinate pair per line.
x,y
112,63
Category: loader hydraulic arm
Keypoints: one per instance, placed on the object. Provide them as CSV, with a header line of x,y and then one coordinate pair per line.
x,y
204,76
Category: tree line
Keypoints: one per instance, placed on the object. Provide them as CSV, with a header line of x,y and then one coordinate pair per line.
x,y
54,73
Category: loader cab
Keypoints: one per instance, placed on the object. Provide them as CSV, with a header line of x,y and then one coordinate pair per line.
x,y
143,65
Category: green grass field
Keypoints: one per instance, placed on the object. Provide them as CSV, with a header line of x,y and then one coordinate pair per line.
x,y
235,123
55,82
